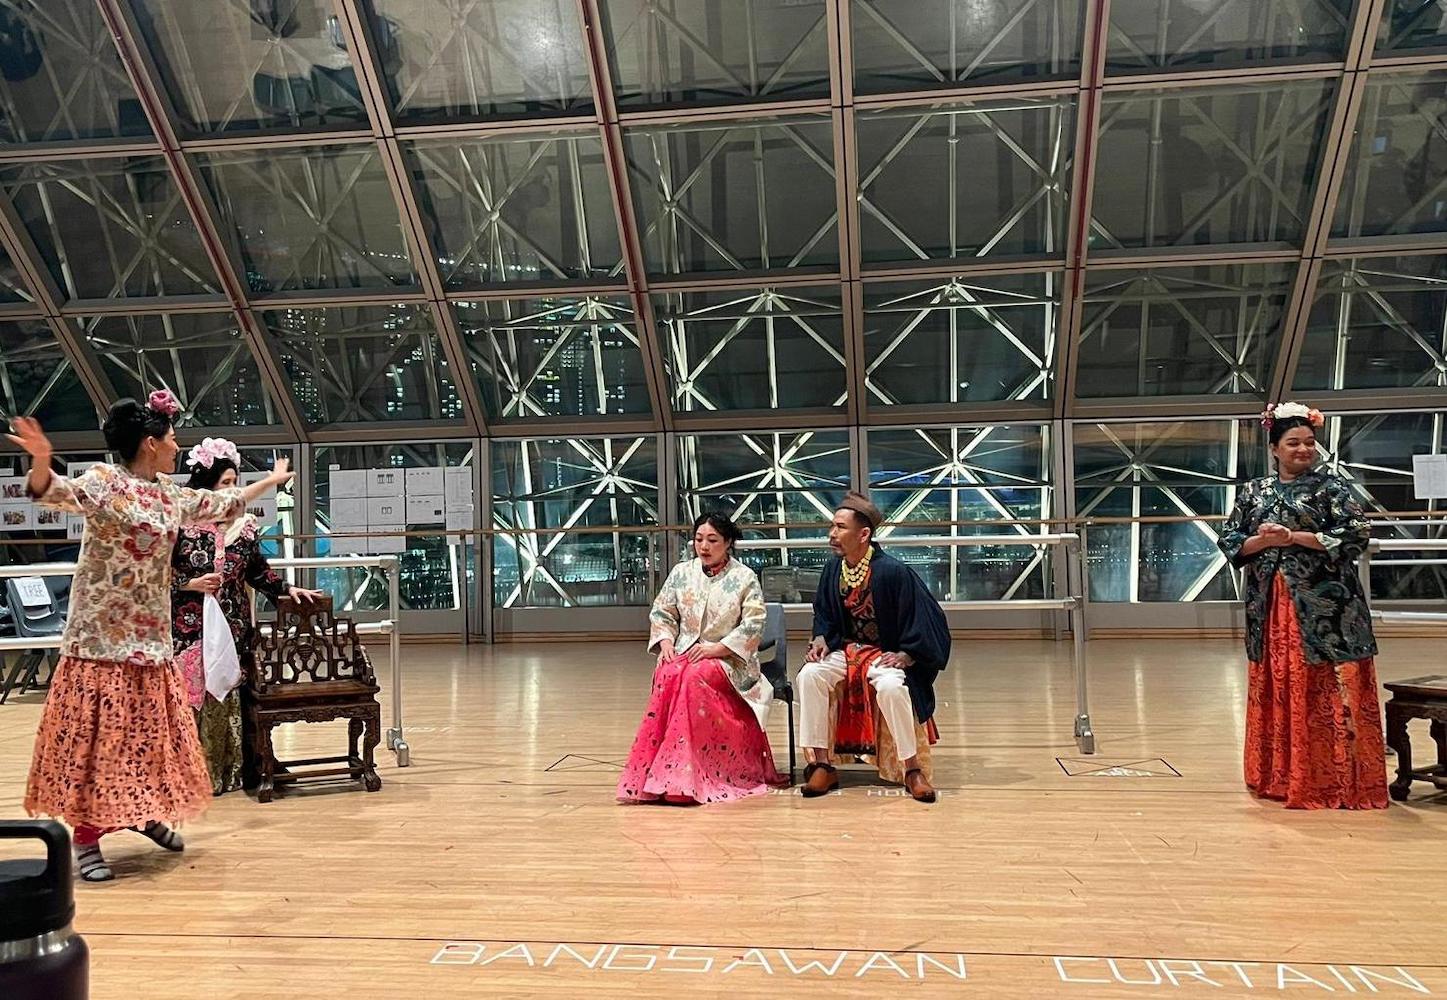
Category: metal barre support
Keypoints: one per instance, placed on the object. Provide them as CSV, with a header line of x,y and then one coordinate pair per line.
x,y
1084,731
390,565
918,541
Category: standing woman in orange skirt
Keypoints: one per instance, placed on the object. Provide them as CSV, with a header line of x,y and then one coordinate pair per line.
x,y
1313,729
117,746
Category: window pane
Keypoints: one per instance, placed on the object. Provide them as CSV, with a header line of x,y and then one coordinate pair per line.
x,y
533,208
364,363
36,379
1158,35
753,349
435,572
964,180
913,44
963,340
1209,165
12,286
1182,330
576,483
1179,469
111,228
317,217
745,196
63,76
555,357
253,65
1374,453
1377,323
202,357
779,485
990,473
1411,27
1396,177
692,51
448,61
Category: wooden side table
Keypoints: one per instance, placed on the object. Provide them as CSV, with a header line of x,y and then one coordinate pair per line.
x,y
1418,698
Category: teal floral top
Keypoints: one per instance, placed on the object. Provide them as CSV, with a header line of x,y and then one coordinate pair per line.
x,y
1331,608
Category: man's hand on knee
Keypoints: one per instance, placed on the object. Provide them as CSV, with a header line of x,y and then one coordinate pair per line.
x,y
818,649
902,661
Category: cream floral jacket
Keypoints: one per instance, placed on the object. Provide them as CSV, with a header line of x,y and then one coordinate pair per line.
x,y
693,607
120,600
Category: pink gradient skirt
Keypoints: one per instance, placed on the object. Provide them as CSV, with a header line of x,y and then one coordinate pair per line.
x,y
698,742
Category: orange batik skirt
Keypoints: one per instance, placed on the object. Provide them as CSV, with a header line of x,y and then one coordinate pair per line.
x,y
1313,730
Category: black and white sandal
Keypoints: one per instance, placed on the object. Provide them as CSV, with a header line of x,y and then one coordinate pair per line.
x,y
162,835
90,864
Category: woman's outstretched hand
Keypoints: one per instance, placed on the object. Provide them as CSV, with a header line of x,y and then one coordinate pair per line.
x,y
25,433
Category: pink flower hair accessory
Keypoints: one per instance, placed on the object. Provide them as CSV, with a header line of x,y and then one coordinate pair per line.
x,y
1290,411
205,454
164,401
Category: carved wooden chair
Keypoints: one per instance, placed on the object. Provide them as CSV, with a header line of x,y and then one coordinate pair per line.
x,y
310,667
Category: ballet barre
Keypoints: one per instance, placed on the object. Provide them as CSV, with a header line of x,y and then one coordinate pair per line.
x,y
1074,603
1401,545
390,627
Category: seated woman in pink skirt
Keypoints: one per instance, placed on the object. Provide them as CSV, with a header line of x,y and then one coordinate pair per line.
x,y
700,740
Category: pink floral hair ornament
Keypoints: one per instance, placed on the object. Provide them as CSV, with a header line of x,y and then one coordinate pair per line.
x,y
1290,411
205,454
164,401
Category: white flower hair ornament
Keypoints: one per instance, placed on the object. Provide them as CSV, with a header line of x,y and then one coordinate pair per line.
x,y
205,454
1290,411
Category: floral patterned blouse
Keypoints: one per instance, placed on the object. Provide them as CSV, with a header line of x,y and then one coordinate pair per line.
x,y
120,600
694,607
1336,624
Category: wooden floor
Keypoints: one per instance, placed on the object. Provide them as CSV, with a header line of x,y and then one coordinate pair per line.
x,y
499,865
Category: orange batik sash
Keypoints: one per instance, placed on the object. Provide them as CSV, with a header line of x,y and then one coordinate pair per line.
x,y
854,733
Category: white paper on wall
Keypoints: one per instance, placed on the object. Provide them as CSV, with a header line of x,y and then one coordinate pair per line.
x,y
349,514
425,509
426,482
263,508
459,487
386,513
16,515
386,545
346,482
386,483
460,519
347,546
49,519
12,489
1429,476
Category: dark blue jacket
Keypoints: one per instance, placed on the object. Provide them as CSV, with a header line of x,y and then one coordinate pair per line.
x,y
910,621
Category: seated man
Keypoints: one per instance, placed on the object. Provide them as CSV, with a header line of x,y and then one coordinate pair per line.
x,y
879,632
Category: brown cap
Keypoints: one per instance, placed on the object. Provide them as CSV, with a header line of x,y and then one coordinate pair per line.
x,y
861,505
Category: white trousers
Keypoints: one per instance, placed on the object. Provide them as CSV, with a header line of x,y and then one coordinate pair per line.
x,y
816,681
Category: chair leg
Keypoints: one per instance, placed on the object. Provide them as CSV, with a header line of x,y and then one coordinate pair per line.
x,y
356,727
12,678
266,787
370,779
793,744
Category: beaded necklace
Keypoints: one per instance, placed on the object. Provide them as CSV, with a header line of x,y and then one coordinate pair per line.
x,y
854,576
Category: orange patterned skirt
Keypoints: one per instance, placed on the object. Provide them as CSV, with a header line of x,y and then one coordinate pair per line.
x,y
1313,730
117,747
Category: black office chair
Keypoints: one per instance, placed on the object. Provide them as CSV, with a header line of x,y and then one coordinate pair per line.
x,y
35,615
776,670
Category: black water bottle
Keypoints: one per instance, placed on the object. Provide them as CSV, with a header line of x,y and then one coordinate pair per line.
x,y
41,958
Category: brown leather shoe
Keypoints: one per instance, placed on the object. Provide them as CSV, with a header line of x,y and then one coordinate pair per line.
x,y
921,789
819,779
